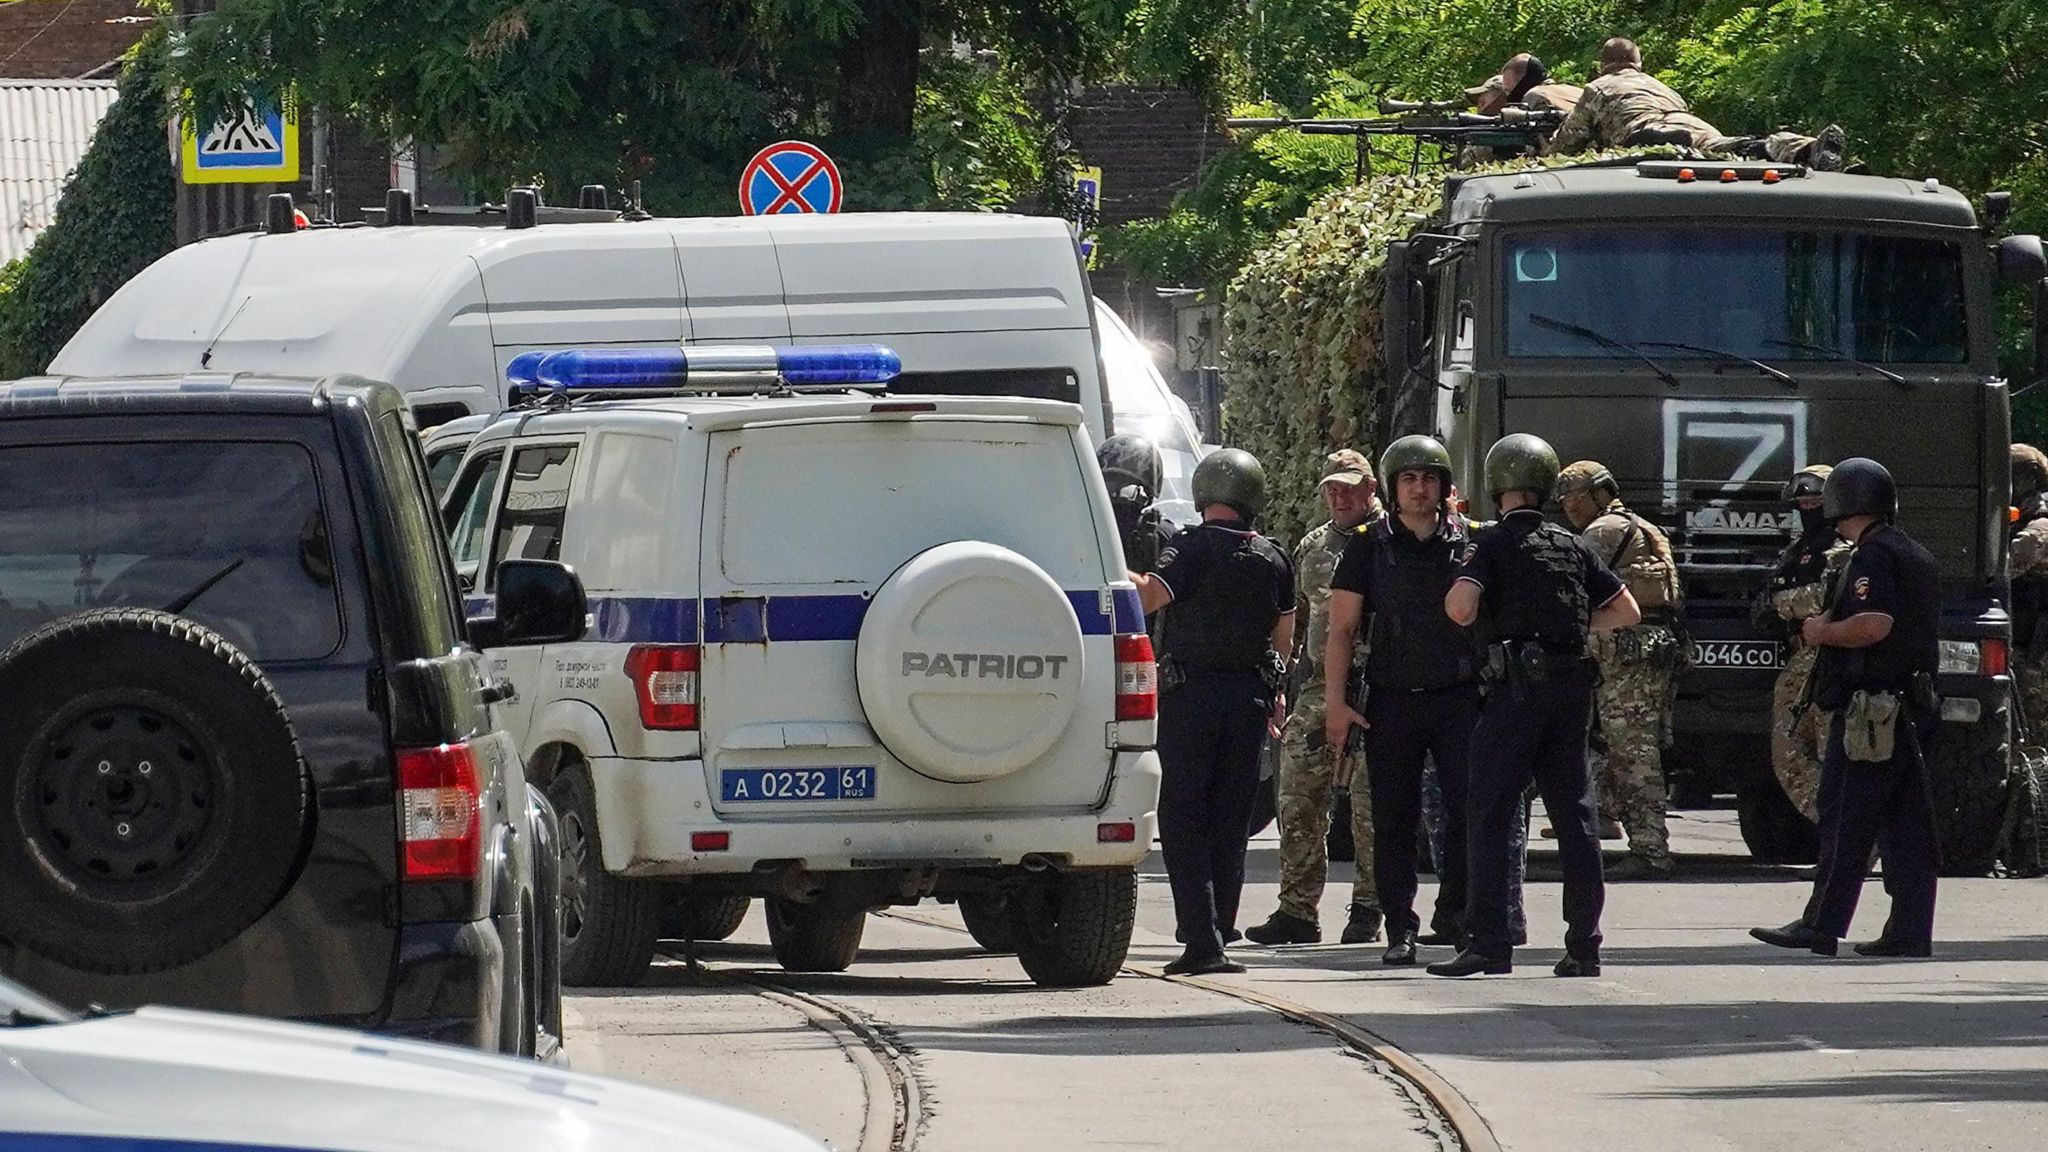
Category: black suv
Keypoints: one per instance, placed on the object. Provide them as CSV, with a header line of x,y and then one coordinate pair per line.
x,y
247,755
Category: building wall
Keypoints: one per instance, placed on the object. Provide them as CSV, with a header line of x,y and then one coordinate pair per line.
x,y
56,40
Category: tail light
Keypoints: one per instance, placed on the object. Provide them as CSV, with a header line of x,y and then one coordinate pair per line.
x,y
665,683
1992,658
1137,678
440,808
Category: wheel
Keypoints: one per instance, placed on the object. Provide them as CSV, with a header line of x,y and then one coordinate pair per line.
x,y
1342,849
703,917
988,921
608,922
1772,827
155,800
2025,854
1971,782
813,937
1073,928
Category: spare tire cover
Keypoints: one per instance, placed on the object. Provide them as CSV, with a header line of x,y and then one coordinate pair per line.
x,y
969,662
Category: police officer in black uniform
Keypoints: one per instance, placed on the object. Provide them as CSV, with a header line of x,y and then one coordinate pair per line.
x,y
1536,589
1132,469
1879,650
1232,592
1421,680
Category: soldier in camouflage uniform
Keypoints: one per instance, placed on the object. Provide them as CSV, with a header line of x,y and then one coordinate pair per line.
x,y
1637,664
1801,586
1625,106
2029,558
1310,768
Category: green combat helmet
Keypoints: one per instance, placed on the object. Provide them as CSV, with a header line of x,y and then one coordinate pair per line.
x,y
1585,476
1231,476
1413,452
1521,463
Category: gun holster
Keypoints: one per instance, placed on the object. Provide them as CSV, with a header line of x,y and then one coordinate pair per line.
x,y
1172,674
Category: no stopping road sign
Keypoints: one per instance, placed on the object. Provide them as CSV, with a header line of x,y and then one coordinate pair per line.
x,y
790,177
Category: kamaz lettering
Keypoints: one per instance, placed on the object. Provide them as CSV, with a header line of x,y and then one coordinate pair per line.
x,y
1729,520
982,665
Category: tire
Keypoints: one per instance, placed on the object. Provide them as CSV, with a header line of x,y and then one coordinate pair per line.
x,y
1073,928
988,921
703,917
608,922
152,791
1772,827
1971,784
812,937
1339,844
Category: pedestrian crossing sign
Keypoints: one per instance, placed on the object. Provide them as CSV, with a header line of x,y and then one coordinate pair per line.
x,y
257,143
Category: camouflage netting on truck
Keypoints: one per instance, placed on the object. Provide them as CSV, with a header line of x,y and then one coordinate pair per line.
x,y
1302,328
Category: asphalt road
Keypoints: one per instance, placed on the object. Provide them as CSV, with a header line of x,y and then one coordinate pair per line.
x,y
1695,1037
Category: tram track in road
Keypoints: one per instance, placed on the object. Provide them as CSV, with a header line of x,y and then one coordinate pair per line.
x,y
896,1094
1441,1108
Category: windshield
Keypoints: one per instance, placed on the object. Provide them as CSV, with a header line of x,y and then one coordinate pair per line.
x,y
1762,294
1142,405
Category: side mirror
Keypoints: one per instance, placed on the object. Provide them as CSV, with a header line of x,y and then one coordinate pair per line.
x,y
2022,260
1402,313
539,602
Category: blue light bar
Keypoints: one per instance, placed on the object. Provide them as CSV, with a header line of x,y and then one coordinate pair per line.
x,y
627,369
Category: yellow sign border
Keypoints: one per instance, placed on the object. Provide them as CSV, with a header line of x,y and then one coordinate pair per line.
x,y
285,173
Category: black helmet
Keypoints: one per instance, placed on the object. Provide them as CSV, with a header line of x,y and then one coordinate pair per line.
x,y
1231,476
1811,480
1859,487
1412,452
1128,460
1521,463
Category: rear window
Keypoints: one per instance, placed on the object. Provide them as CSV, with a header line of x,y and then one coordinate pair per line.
x,y
825,504
235,533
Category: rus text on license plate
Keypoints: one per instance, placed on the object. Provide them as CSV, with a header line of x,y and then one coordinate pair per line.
x,y
1736,654
842,783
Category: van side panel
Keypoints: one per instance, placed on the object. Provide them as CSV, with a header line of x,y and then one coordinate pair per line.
x,y
577,285
732,284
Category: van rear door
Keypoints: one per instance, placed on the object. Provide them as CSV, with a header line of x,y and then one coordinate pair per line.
x,y
904,615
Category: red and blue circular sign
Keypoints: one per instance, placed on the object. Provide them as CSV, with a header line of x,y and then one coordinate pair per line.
x,y
790,177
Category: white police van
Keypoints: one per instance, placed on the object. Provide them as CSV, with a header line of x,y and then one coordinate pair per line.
x,y
848,650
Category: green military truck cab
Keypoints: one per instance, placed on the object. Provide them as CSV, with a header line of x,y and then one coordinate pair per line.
x,y
1705,330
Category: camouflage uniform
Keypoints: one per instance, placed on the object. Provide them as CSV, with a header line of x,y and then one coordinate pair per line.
x,y
1799,590
2028,555
1307,777
1637,667
1624,102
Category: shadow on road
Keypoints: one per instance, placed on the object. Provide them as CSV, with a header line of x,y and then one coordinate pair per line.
x,y
1948,1086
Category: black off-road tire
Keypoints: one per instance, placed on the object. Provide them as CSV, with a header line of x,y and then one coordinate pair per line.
x,y
609,923
1971,780
153,800
1074,927
703,917
1772,827
814,937
988,920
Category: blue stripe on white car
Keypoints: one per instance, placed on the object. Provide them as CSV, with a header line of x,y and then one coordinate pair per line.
x,y
752,620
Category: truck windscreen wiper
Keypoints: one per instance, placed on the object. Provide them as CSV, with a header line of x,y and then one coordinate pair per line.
x,y
1727,357
1841,357
1605,341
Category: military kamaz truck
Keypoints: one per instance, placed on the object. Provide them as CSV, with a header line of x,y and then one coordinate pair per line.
x,y
1706,329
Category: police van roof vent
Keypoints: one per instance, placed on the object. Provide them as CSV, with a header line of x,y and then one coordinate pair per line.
x,y
397,206
593,196
521,205
278,214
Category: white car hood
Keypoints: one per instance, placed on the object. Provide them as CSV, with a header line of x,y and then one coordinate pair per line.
x,y
173,1075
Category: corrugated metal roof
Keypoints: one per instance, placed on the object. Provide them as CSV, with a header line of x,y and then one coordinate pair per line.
x,y
45,126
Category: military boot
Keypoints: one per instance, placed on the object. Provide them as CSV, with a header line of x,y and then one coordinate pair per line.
x,y
1364,925
1640,867
1285,928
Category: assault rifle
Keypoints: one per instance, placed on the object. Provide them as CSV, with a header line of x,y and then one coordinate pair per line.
x,y
1513,128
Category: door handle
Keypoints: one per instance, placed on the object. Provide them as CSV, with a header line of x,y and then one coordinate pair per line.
x,y
498,692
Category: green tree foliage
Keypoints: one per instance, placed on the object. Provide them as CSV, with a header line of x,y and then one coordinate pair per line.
x,y
117,215
676,93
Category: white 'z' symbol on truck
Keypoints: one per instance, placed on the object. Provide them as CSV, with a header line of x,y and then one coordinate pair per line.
x,y
1729,443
